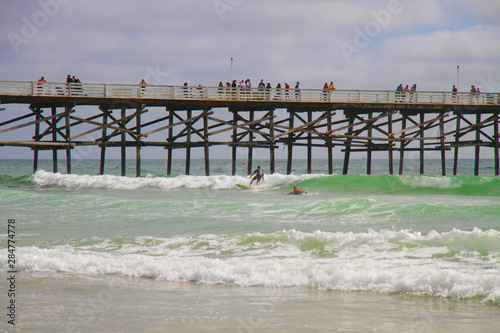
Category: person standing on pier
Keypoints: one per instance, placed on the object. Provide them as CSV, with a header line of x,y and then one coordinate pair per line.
x,y
399,90
268,90
454,91
413,90
297,90
325,91
278,92
259,175
406,89
262,86
143,85
41,81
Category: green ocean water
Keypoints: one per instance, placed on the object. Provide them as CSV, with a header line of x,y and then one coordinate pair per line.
x,y
427,238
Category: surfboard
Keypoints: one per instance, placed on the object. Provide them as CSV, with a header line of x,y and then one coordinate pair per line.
x,y
244,187
301,194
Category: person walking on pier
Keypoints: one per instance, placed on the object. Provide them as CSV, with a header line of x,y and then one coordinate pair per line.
x,y
259,175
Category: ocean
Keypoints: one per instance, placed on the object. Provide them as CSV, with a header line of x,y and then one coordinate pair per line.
x,y
377,253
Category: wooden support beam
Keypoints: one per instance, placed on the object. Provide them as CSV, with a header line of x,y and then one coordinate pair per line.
x,y
188,141
123,148
477,148
361,122
207,142
309,142
54,139
67,134
496,144
233,124
389,150
121,123
52,124
291,116
34,122
145,134
457,139
422,129
103,147
16,119
299,128
272,161
170,140
418,125
477,127
234,147
329,142
138,147
49,145
443,150
250,148
369,144
402,146
347,154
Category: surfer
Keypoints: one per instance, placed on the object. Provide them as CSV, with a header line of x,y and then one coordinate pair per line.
x,y
259,174
296,191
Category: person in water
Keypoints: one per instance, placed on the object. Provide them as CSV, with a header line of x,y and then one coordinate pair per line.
x,y
259,175
297,191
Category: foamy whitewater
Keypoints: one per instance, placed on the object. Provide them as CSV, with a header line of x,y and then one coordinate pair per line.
x,y
423,238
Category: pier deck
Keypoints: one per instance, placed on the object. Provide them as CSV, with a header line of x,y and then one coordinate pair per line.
x,y
356,120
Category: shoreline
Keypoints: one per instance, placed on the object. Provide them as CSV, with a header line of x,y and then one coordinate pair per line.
x,y
109,303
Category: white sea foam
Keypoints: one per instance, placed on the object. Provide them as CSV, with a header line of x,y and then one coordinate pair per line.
x,y
457,264
221,182
428,181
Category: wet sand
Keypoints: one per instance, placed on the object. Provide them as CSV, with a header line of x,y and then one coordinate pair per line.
x,y
53,302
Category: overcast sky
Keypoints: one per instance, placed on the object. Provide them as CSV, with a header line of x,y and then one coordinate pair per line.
x,y
357,44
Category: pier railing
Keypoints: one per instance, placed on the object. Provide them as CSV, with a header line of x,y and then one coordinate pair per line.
x,y
90,90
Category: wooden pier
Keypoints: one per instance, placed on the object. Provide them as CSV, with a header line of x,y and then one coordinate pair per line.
x,y
356,120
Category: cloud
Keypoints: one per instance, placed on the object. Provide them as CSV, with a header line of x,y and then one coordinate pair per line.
x,y
192,40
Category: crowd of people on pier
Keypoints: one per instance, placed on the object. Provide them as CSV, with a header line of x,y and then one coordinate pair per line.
x,y
244,89
401,93
73,86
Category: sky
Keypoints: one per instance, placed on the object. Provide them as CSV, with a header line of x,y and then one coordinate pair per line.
x,y
357,44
